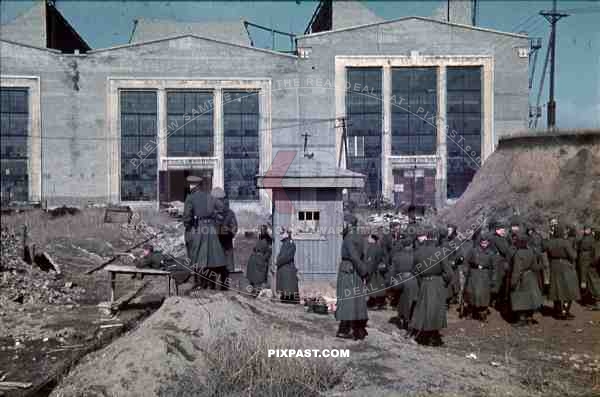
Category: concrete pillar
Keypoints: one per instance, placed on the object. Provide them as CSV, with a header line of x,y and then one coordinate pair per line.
x,y
488,139
162,136
386,169
218,137
161,149
340,109
442,152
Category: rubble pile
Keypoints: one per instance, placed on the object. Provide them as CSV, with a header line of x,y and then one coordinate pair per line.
x,y
22,283
385,219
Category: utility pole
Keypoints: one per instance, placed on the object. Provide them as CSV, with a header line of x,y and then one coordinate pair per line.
x,y
552,17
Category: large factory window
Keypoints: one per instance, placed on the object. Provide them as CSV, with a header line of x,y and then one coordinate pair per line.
x,y
138,145
240,120
14,115
189,124
414,111
364,111
464,126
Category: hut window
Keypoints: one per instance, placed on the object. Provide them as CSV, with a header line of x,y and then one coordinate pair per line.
x,y
308,221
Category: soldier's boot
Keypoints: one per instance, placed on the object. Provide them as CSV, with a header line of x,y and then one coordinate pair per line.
x,y
567,310
558,310
344,330
436,339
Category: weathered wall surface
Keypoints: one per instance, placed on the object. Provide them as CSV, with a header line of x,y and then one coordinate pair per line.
x,y
27,28
74,89
74,100
429,38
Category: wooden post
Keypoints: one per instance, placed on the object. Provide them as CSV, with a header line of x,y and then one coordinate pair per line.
x,y
112,286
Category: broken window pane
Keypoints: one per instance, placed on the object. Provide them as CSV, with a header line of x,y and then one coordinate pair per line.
x,y
190,121
364,112
414,116
138,145
14,115
241,144
464,120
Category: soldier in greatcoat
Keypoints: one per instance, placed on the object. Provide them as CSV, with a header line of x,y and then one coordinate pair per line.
x,y
589,278
376,281
227,228
199,218
433,273
501,246
287,273
257,269
526,295
351,310
479,273
404,280
564,286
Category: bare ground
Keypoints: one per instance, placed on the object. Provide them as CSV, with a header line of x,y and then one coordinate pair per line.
x,y
179,340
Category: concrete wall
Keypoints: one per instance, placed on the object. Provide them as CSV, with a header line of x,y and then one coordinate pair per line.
x,y
74,100
28,27
74,97
429,38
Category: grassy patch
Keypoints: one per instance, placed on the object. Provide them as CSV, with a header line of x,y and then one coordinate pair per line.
x,y
240,365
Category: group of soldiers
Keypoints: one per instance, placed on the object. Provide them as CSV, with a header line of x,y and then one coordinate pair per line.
x,y
419,268
422,270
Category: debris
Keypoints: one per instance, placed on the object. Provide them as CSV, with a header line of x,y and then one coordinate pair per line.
x,y
111,325
265,294
62,211
68,284
494,363
24,283
121,214
471,356
14,385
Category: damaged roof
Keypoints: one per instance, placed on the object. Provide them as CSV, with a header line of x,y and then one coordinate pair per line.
x,y
155,29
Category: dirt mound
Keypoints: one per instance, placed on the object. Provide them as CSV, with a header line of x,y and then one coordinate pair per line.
x,y
22,283
537,177
218,345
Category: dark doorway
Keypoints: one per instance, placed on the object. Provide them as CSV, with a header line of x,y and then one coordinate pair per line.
x,y
414,187
174,185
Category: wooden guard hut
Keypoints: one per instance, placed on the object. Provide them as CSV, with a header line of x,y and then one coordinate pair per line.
x,y
306,195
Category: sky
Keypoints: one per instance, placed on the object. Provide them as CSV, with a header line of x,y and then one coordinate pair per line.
x,y
108,23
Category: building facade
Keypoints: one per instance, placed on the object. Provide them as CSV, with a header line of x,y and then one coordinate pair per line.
x,y
415,104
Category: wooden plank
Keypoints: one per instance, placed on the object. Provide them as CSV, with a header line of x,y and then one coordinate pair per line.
x,y
113,285
51,262
128,297
14,385
114,258
124,269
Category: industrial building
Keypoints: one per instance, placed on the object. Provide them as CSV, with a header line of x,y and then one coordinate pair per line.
x,y
415,104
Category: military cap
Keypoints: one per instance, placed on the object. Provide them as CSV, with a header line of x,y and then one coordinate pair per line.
x,y
484,236
516,220
148,247
218,193
499,224
194,179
